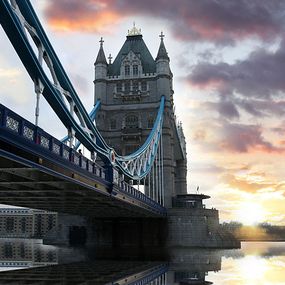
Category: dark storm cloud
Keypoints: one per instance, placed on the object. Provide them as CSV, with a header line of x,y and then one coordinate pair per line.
x,y
219,21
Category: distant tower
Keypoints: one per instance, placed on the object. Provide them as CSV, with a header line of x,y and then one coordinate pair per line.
x,y
130,89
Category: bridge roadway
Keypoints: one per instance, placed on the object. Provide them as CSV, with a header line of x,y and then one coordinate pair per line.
x,y
38,171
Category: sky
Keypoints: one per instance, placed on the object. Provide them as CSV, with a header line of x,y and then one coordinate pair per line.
x,y
228,62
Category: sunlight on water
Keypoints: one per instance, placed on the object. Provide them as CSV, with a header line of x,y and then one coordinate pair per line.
x,y
258,263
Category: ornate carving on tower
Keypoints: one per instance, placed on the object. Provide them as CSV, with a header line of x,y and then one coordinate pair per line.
x,y
134,31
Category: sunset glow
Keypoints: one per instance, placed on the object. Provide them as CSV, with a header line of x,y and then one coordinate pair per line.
x,y
250,213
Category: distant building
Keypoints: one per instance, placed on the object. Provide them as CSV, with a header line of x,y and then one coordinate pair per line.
x,y
26,223
26,253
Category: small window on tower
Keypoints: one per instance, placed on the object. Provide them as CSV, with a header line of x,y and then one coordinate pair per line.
x,y
135,70
132,121
127,70
119,87
144,86
135,86
127,87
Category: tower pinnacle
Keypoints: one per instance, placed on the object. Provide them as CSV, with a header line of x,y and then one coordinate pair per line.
x,y
162,53
134,31
101,58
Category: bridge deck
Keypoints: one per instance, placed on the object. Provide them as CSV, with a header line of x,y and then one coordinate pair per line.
x,y
38,171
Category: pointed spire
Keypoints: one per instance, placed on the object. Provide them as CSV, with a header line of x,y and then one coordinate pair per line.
x,y
162,53
101,58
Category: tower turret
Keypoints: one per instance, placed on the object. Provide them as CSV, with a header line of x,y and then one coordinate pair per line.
x,y
162,58
100,75
164,75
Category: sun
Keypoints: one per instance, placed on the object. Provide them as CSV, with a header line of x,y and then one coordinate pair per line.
x,y
251,213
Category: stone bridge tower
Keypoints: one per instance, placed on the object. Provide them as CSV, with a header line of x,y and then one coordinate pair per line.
x,y
130,89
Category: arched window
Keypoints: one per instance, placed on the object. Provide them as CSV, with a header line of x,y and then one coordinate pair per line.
x,y
127,87
127,70
135,69
135,86
119,87
132,121
144,86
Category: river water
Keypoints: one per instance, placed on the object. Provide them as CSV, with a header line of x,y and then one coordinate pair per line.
x,y
31,262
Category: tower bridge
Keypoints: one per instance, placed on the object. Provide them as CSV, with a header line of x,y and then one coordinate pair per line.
x,y
137,164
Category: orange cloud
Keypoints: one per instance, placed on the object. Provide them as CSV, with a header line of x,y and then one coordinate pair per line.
x,y
216,21
246,185
99,23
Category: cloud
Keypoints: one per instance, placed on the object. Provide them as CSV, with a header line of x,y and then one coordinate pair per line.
x,y
217,21
280,129
259,76
245,185
254,85
244,138
89,16
225,108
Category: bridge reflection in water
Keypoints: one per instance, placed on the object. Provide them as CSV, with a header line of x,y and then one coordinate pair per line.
x,y
31,262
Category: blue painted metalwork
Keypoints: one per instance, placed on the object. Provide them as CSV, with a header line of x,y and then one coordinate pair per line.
x,y
18,15
92,116
19,132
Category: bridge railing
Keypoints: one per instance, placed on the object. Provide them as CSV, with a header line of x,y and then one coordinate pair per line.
x,y
128,189
37,140
32,134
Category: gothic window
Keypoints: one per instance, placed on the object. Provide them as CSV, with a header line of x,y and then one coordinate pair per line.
x,y
132,121
8,250
135,69
22,250
119,87
127,70
135,86
113,124
144,86
127,87
150,122
23,225
10,223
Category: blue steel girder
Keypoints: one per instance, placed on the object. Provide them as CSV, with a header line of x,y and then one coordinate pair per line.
x,y
17,17
92,116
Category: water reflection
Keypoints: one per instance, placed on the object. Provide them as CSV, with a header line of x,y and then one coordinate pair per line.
x,y
261,263
35,263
